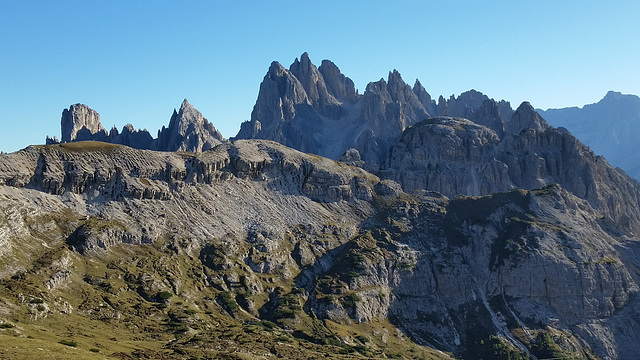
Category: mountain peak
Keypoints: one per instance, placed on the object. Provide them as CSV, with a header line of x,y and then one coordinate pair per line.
x,y
185,104
80,122
525,117
613,94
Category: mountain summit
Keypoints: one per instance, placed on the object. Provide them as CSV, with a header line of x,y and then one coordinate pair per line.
x,y
609,127
188,131
319,110
480,231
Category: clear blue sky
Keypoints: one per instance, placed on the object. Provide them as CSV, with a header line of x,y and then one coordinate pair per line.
x,y
134,61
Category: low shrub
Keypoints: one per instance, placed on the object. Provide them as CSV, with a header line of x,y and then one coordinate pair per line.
x,y
71,343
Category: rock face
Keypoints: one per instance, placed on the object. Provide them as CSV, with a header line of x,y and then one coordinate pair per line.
x,y
80,122
609,127
485,232
296,237
188,131
318,110
458,157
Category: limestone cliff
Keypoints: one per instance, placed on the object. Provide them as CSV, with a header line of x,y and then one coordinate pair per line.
x,y
609,127
458,157
254,232
80,122
319,110
188,130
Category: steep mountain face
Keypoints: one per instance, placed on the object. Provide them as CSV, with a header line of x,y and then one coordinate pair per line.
x,y
186,250
318,110
484,232
458,157
609,127
80,122
188,131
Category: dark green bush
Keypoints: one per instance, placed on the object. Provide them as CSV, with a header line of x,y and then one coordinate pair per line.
x,y
163,296
226,298
351,299
71,343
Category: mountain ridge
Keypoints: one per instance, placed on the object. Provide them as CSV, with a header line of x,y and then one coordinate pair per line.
x,y
609,127
188,130
358,248
484,232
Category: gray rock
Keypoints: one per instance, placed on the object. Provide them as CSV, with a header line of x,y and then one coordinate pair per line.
x,y
188,131
318,110
609,127
458,157
448,273
525,117
80,122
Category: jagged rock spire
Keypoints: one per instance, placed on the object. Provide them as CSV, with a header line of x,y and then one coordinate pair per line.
x,y
81,120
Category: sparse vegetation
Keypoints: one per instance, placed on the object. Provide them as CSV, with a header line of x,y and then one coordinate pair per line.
x,y
163,296
227,300
71,343
350,300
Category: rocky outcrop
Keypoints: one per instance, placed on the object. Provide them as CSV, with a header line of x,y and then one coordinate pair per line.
x,y
253,219
609,127
138,139
340,86
96,169
457,157
502,264
493,233
188,131
525,117
318,110
80,122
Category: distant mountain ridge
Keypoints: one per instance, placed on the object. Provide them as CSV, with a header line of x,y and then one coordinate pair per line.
x,y
188,131
318,110
611,127
480,230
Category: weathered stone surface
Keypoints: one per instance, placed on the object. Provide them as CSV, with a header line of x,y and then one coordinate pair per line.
x,y
525,117
318,110
188,131
609,127
340,86
457,157
80,122
448,273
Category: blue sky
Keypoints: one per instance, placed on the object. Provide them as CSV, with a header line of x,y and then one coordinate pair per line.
x,y
135,61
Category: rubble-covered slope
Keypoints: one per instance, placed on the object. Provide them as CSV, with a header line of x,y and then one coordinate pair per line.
x,y
256,248
137,253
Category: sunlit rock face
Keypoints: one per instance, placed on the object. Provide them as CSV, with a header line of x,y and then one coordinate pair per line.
x,y
609,127
188,130
80,122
